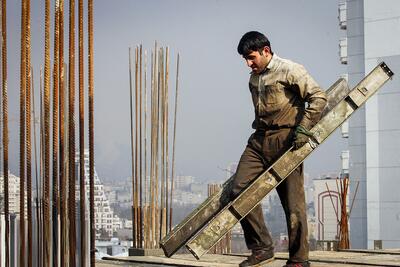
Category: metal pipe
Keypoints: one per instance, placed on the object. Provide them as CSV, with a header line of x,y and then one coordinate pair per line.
x,y
5,127
82,183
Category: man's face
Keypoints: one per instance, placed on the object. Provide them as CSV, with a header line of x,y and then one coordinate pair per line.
x,y
258,60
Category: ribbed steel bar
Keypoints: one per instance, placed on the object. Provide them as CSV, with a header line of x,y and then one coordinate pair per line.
x,y
71,134
46,139
82,183
5,127
38,186
174,141
132,150
22,136
56,202
63,230
147,217
157,142
141,225
136,205
91,132
28,131
162,135
166,140
41,172
152,209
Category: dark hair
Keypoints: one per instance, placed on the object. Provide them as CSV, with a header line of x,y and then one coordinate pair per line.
x,y
252,41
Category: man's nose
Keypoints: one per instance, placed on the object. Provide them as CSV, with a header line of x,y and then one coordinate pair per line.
x,y
249,62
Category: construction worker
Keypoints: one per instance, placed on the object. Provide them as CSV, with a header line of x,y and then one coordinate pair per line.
x,y
287,103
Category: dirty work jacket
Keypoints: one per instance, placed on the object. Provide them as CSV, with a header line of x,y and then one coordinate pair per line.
x,y
280,94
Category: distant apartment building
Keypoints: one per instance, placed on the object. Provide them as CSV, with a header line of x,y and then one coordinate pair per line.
x,y
104,215
13,194
183,181
370,35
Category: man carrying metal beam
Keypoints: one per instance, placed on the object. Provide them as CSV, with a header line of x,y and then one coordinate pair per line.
x,y
287,103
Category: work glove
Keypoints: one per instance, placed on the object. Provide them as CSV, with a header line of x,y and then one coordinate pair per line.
x,y
301,137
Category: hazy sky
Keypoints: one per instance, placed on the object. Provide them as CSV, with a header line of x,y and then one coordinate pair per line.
x,y
215,111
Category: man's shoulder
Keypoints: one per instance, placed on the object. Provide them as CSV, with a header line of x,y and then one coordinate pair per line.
x,y
287,64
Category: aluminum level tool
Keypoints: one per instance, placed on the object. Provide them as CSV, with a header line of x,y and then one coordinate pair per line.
x,y
205,226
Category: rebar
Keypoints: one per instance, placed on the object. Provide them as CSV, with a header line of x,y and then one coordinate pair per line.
x,y
38,187
41,173
91,132
28,130
82,139
140,151
5,127
22,132
166,139
132,151
62,170
56,203
71,133
174,140
146,219
46,93
136,206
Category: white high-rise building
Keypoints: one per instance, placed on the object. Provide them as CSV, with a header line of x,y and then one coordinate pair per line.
x,y
104,215
13,194
372,31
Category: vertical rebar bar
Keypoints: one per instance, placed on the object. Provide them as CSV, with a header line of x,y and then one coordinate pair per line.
x,y
140,150
82,183
174,140
28,131
162,129
46,93
61,118
91,132
147,224
5,127
41,172
136,152
55,176
152,209
71,134
132,150
166,139
38,187
22,132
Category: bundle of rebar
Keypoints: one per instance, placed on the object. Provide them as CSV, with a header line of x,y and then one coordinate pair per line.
x,y
151,194
342,215
55,229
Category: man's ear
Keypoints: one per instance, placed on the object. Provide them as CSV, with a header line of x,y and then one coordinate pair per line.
x,y
266,50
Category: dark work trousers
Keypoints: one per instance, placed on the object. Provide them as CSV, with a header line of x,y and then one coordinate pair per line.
x,y
263,148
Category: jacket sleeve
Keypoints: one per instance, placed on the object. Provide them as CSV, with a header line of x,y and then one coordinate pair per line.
x,y
310,92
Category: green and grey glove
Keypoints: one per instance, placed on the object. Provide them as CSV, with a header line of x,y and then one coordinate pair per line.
x,y
301,137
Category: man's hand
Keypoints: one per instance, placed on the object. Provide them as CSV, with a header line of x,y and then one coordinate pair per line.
x,y
301,137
